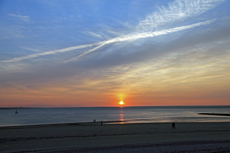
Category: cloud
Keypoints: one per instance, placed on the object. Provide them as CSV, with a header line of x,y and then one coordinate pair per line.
x,y
20,17
143,35
130,37
32,49
170,63
95,34
176,11
51,52
175,65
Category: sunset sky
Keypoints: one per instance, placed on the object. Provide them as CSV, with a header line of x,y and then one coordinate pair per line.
x,y
88,53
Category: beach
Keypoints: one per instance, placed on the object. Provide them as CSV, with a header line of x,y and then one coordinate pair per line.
x,y
137,137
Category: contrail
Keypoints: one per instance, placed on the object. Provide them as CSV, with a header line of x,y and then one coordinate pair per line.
x,y
143,35
130,37
52,52
176,10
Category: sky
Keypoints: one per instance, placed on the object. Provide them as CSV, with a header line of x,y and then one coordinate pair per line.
x,y
96,53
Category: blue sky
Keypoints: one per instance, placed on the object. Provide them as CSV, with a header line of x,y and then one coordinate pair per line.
x,y
94,51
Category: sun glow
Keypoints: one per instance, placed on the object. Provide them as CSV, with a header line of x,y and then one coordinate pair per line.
x,y
121,103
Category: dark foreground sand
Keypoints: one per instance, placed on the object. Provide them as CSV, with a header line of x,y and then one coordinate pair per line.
x,y
148,137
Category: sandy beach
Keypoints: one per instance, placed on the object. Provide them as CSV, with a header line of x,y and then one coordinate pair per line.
x,y
139,137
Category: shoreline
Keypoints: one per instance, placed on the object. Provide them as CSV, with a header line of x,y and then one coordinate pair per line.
x,y
64,124
78,136
113,122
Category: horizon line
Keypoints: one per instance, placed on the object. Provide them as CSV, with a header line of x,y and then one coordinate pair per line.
x,y
25,107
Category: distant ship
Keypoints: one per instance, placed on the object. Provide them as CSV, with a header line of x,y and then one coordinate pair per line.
x,y
16,112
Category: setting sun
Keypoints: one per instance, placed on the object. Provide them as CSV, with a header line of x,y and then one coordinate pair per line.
x,y
121,103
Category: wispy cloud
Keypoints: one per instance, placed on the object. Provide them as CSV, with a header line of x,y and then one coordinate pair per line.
x,y
51,52
95,34
114,40
142,35
20,17
32,49
176,11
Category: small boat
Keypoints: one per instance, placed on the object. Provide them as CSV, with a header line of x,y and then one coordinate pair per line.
x,y
16,112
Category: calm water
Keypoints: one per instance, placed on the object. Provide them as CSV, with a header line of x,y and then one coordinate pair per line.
x,y
28,116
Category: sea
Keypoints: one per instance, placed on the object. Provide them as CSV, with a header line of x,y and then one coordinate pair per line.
x,y
111,115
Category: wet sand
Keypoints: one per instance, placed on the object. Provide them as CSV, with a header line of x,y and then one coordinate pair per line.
x,y
92,137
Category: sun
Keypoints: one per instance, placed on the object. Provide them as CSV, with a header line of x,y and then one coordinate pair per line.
x,y
121,103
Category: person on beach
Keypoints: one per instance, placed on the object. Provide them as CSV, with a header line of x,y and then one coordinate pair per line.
x,y
173,125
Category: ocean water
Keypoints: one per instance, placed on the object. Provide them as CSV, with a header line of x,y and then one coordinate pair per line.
x,y
31,116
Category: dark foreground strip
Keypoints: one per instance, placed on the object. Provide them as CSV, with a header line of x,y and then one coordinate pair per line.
x,y
171,147
214,114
